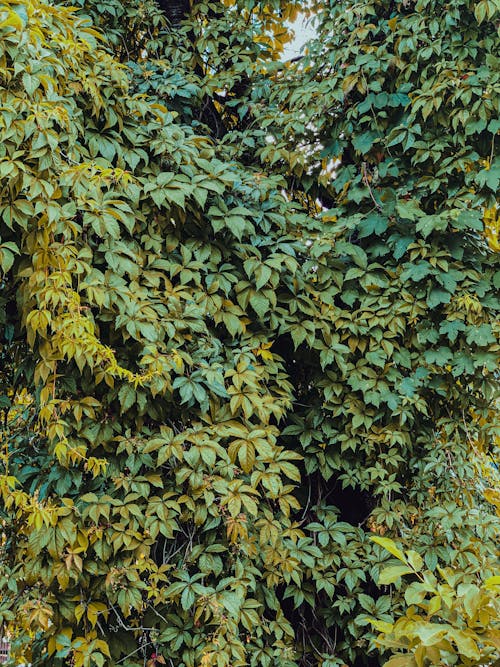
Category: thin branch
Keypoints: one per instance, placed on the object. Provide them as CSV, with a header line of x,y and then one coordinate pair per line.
x,y
367,183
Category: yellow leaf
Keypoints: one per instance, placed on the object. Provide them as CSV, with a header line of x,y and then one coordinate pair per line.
x,y
93,611
382,626
389,546
434,605
492,228
392,23
263,351
492,582
13,20
493,497
401,661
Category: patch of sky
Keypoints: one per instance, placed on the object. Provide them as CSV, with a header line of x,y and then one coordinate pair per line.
x,y
304,31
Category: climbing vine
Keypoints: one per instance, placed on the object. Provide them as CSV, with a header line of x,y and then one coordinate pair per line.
x,y
248,333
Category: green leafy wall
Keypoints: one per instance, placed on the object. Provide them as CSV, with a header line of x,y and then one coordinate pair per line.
x,y
248,321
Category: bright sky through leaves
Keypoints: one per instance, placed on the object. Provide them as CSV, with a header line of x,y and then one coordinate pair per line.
x,y
304,31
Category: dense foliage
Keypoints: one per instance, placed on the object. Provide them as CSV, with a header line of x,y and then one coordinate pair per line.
x,y
449,618
248,321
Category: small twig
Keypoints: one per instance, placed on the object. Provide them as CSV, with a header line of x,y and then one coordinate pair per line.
x,y
306,509
129,628
134,652
68,159
158,613
367,183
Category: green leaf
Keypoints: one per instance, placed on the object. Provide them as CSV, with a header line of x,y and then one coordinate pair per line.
x,y
20,11
127,397
417,271
260,304
232,602
363,142
437,296
469,219
188,598
430,223
481,335
374,223
490,177
410,210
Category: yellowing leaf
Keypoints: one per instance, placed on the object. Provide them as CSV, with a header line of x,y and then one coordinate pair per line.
x,y
406,660
390,546
391,574
13,20
392,23
382,626
492,582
